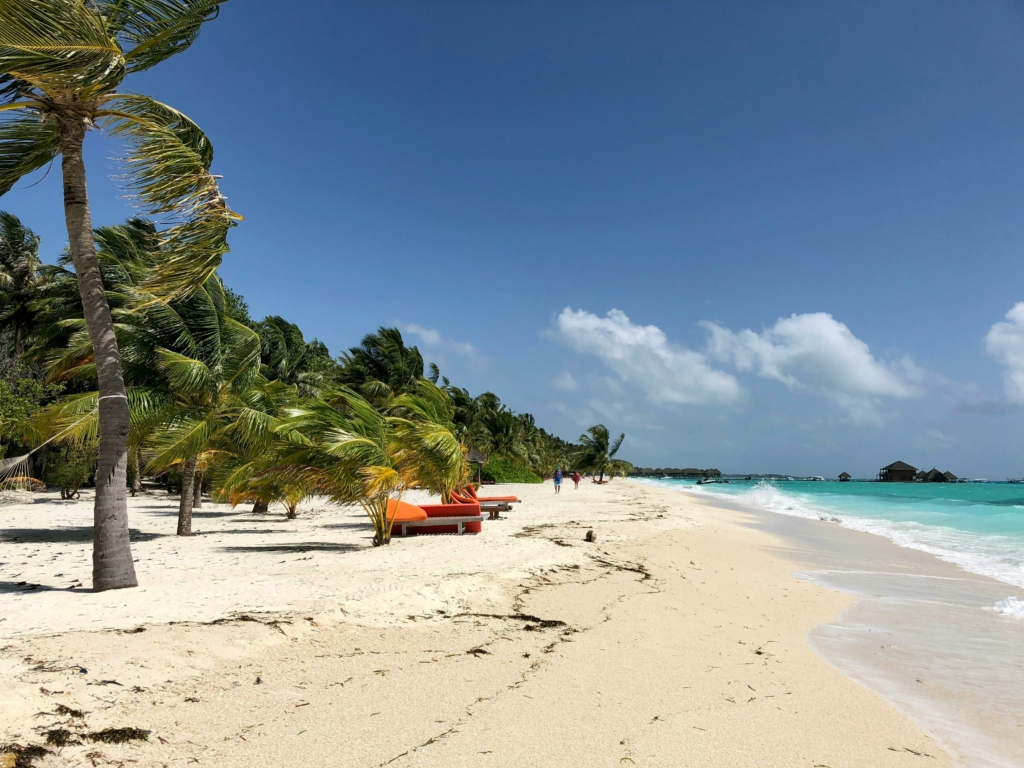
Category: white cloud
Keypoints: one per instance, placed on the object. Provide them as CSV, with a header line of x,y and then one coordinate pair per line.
x,y
433,338
1005,342
816,352
642,356
564,380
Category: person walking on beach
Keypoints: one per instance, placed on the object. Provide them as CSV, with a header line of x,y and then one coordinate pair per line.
x,y
576,480
558,479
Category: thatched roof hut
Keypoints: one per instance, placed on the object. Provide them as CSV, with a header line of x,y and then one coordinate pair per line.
x,y
934,476
845,477
897,472
950,477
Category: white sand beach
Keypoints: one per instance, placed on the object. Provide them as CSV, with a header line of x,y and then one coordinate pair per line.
x,y
678,638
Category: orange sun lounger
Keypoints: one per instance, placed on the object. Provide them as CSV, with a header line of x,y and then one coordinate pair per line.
x,y
470,492
437,518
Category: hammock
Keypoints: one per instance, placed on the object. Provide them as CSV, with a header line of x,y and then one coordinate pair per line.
x,y
12,476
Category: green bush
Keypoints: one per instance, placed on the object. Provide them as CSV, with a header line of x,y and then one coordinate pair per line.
x,y
504,470
73,469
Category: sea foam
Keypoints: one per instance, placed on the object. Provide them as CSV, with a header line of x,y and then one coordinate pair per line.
x,y
998,557
1011,606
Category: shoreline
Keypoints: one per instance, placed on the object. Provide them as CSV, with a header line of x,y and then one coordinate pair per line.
x,y
677,639
922,632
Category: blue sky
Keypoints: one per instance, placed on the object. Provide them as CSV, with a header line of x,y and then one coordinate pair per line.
x,y
705,170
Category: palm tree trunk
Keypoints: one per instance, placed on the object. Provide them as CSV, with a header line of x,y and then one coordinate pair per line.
x,y
260,507
197,496
19,346
188,477
112,566
137,475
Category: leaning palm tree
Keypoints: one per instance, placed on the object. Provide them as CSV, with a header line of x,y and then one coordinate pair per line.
x,y
62,63
429,436
597,450
352,453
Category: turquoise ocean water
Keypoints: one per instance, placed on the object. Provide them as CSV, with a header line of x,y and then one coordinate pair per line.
x,y
978,526
947,649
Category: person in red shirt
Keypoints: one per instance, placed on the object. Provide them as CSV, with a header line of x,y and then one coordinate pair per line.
x,y
576,479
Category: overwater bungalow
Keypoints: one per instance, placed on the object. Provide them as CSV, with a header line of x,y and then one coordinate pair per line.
x,y
897,472
845,477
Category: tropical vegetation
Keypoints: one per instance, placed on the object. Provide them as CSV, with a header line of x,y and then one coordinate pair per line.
x,y
129,357
250,410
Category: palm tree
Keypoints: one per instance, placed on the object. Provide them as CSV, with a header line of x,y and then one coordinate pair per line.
x,y
19,278
288,357
191,371
249,447
618,468
597,450
347,450
381,366
435,453
211,396
62,63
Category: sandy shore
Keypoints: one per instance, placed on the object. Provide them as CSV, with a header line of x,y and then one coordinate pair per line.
x,y
677,639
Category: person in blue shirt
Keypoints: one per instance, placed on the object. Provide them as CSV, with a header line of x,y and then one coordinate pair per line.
x,y
558,479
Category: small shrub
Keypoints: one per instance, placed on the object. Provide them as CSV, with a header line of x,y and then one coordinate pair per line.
x,y
73,469
504,470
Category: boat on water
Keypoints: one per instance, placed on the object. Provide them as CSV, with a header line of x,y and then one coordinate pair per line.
x,y
817,479
980,480
1015,480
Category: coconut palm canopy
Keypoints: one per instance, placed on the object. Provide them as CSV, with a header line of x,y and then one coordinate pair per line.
x,y
597,452
63,65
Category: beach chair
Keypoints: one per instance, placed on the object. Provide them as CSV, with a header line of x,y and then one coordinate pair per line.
x,y
457,518
493,510
470,491
446,518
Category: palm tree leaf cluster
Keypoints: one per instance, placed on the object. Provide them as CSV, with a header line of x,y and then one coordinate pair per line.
x,y
63,62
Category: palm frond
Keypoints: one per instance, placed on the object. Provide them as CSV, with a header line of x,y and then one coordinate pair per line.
x,y
59,46
189,378
186,438
27,143
150,31
168,171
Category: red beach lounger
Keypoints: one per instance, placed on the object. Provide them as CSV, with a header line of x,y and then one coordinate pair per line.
x,y
408,518
471,492
446,518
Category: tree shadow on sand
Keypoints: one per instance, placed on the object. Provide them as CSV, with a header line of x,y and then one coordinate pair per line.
x,y
312,546
197,514
78,535
347,526
24,587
